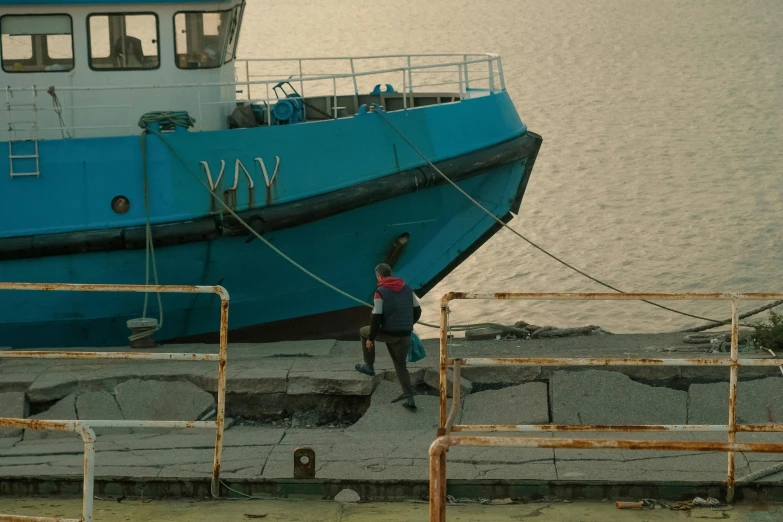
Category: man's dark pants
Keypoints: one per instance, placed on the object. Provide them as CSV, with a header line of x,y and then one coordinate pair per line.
x,y
398,349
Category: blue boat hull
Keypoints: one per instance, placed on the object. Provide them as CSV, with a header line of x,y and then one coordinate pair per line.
x,y
270,298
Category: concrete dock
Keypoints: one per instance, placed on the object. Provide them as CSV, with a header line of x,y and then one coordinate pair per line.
x,y
287,395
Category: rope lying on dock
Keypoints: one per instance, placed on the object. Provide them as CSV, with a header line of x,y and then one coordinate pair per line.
x,y
753,477
751,313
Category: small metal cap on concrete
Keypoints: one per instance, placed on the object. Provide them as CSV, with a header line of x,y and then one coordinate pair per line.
x,y
348,496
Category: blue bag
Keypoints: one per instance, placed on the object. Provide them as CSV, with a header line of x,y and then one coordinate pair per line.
x,y
416,350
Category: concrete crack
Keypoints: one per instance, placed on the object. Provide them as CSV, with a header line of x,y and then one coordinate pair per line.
x,y
238,470
263,466
747,462
76,406
45,454
115,402
266,460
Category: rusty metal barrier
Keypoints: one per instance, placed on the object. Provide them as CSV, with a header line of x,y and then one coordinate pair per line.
x,y
447,420
84,427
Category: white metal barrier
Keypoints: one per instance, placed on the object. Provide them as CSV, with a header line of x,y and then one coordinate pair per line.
x,y
84,427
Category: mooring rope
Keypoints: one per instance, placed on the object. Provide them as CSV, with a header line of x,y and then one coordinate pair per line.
x,y
182,119
380,112
147,119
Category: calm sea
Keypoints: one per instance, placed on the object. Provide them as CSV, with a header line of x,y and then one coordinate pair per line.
x,y
663,140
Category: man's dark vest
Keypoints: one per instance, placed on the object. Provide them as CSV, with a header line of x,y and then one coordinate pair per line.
x,y
397,310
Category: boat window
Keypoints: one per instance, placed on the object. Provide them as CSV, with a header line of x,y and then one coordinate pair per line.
x,y
124,41
202,38
36,43
233,34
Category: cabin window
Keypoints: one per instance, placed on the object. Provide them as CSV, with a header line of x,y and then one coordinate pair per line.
x,y
124,41
203,38
36,43
233,34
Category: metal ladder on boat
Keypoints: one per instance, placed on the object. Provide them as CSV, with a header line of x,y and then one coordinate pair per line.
x,y
23,150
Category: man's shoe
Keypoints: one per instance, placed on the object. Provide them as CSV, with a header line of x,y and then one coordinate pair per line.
x,y
409,404
366,369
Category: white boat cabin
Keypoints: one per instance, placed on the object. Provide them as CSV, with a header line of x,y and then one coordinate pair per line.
x,y
116,60
92,68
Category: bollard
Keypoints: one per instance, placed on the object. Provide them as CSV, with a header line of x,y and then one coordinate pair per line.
x,y
140,326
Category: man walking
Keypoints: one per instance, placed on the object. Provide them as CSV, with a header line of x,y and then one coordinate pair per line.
x,y
396,310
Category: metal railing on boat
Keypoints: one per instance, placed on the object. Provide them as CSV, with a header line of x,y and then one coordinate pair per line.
x,y
465,74
447,418
85,427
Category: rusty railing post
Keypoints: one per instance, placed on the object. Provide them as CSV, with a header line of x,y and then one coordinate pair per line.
x,y
444,343
221,399
456,399
435,479
88,436
733,397
438,479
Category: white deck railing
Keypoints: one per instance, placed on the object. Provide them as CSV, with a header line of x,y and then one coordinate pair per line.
x,y
86,111
413,70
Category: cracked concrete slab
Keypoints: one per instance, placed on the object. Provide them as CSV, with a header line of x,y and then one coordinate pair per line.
x,y
100,405
479,375
7,443
158,400
174,456
758,402
316,348
251,380
72,444
383,415
13,405
432,379
331,382
78,377
104,471
587,471
532,471
39,470
201,438
64,409
522,404
379,471
599,397
17,382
